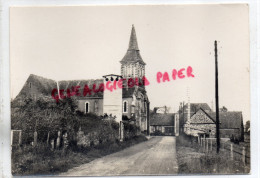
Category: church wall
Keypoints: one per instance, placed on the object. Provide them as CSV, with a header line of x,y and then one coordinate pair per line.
x,y
99,105
129,107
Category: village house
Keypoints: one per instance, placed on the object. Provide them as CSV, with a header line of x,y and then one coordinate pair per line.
x,y
134,100
194,107
164,123
200,122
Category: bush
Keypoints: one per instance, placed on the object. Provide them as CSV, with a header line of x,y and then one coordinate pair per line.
x,y
28,160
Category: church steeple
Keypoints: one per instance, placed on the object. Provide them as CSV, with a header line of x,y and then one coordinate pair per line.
x,y
133,45
132,64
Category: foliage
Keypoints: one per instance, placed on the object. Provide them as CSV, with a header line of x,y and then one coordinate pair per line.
x,y
48,117
130,130
223,109
40,160
193,160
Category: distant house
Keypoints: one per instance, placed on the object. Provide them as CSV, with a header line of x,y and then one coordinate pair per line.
x,y
164,124
194,107
204,123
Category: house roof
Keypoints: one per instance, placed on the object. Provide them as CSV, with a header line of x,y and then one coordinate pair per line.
x,y
162,119
194,107
204,113
132,54
229,119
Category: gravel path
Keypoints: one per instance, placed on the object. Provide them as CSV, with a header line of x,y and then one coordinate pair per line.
x,y
157,156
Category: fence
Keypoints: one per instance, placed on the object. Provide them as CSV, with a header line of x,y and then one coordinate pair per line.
x,y
60,140
233,151
109,131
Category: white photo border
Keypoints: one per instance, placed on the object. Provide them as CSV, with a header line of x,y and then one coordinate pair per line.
x,y
5,125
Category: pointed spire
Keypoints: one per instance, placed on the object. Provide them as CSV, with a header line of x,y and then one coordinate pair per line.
x,y
133,54
133,40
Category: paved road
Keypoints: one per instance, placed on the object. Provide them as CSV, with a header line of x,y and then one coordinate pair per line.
x,y
157,156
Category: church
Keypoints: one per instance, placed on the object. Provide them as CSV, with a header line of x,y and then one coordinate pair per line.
x,y
132,101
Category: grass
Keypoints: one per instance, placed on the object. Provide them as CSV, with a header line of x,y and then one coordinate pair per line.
x,y
40,160
192,160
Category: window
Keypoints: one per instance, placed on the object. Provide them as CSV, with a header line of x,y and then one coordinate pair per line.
x,y
125,107
87,107
30,85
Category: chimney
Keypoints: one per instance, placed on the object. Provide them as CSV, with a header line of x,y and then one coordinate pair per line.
x,y
188,114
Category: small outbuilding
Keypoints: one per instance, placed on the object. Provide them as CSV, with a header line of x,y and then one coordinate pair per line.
x,y
164,124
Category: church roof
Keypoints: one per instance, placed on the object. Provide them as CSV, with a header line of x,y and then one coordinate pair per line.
x,y
39,86
65,84
44,87
133,53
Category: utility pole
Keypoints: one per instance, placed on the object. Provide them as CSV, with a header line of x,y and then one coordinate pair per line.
x,y
216,94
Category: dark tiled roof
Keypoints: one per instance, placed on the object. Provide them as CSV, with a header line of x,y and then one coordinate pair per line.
x,y
194,107
45,86
162,119
229,119
41,85
65,84
132,54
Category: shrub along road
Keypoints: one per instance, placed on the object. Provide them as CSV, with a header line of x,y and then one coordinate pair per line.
x,y
157,156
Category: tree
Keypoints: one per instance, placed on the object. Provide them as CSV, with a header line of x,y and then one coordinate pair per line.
x,y
223,109
166,109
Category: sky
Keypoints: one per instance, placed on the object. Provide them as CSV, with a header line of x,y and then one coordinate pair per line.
x,y
87,42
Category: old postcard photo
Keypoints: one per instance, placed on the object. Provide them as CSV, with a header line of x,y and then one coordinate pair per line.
x,y
130,90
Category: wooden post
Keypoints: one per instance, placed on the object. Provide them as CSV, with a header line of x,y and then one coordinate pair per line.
x,y
244,155
48,138
58,140
35,138
231,152
207,148
52,144
65,140
199,140
210,144
20,137
204,142
121,131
